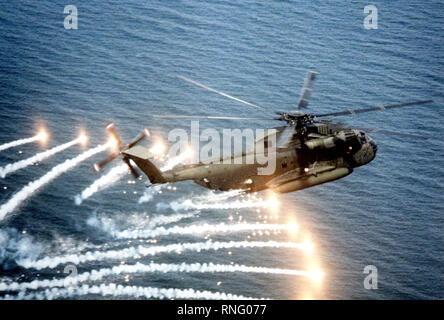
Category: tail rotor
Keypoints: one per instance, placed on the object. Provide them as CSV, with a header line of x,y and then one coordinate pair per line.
x,y
118,143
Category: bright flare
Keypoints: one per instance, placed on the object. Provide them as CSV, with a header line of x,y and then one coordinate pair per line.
x,y
293,226
42,136
158,148
316,275
113,143
308,247
83,138
188,152
273,203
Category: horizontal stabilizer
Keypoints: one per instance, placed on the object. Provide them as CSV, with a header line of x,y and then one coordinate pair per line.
x,y
139,152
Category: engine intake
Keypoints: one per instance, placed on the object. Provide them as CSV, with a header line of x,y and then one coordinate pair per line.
x,y
345,140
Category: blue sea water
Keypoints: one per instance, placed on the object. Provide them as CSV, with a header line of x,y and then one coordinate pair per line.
x,y
121,65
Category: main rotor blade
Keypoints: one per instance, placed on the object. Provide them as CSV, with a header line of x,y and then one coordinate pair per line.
x,y
388,132
307,90
225,94
285,137
394,133
208,117
380,108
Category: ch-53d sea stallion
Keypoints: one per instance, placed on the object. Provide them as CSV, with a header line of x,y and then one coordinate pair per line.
x,y
309,151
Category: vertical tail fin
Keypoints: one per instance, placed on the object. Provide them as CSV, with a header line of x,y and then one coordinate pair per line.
x,y
141,156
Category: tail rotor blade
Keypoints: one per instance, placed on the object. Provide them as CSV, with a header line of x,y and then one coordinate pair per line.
x,y
111,157
140,137
100,165
112,130
133,171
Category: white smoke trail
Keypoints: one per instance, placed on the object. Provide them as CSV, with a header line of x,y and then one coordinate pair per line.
x,y
171,163
212,200
131,291
96,275
141,251
212,196
20,142
15,245
56,171
12,167
189,204
114,175
200,229
161,219
149,194
109,226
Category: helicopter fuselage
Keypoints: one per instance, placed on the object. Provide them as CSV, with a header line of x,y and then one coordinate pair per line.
x,y
324,153
307,151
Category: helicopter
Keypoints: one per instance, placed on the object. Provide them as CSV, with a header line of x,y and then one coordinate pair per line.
x,y
309,150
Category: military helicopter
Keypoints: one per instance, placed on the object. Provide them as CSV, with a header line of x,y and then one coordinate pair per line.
x,y
309,151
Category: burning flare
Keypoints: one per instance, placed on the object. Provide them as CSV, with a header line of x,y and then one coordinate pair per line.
x,y
42,136
32,187
12,167
158,148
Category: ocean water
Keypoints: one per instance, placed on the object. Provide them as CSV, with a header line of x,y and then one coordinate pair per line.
x,y
121,65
